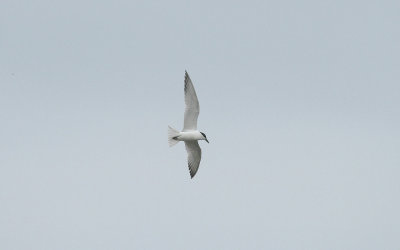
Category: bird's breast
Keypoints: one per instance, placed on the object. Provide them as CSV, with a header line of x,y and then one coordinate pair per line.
x,y
189,136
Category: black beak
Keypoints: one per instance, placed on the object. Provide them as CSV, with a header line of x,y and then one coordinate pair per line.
x,y
207,141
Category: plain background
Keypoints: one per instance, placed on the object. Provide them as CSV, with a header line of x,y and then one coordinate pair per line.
x,y
300,101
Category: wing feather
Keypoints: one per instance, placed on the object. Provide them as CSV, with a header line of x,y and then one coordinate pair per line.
x,y
192,108
194,156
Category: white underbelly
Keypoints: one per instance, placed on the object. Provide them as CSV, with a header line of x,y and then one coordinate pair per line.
x,y
189,136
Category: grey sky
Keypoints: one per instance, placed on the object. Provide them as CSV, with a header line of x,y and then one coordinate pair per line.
x,y
299,99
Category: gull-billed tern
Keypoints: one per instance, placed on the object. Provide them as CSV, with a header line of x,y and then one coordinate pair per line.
x,y
190,135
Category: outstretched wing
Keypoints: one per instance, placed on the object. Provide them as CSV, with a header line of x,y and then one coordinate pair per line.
x,y
192,108
194,156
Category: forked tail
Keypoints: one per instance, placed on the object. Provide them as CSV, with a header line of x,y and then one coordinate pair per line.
x,y
172,134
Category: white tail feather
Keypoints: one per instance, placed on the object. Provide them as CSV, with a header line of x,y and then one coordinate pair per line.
x,y
171,134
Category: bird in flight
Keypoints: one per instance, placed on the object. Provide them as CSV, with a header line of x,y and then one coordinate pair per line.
x,y
190,135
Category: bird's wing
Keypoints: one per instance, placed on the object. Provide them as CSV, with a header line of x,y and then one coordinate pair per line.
x,y
194,156
192,108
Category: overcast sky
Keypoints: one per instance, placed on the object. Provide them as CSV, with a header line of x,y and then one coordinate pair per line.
x,y
300,101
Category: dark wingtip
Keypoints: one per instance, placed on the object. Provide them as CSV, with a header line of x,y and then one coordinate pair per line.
x,y
186,80
192,174
186,75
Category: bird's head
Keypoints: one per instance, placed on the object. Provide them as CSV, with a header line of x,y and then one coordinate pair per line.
x,y
204,136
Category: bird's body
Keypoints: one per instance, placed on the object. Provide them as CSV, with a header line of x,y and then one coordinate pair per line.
x,y
190,135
